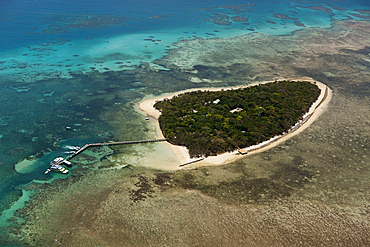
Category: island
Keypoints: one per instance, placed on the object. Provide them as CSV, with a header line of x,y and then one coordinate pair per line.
x,y
214,122
219,123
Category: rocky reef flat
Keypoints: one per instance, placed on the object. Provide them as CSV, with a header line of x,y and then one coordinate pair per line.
x,y
311,190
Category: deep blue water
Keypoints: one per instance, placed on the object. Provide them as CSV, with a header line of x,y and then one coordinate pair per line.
x,y
42,40
17,18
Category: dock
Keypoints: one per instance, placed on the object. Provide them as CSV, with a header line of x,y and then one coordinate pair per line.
x,y
191,162
111,144
105,144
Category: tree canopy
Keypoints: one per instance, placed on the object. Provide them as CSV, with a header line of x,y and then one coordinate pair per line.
x,y
214,122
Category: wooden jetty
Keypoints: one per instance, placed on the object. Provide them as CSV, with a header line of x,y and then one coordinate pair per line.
x,y
106,144
191,162
111,144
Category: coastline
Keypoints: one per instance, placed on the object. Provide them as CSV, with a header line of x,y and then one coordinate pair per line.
x,y
146,106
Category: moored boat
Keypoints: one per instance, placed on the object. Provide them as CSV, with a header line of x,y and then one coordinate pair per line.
x,y
56,165
59,168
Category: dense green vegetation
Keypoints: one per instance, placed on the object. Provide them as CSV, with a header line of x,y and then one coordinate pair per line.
x,y
209,123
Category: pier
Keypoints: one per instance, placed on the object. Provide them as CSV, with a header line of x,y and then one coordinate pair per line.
x,y
106,144
111,144
191,162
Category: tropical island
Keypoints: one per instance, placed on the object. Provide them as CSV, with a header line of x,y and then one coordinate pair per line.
x,y
214,122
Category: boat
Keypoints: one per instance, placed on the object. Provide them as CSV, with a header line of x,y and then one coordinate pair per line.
x,y
56,165
59,161
66,162
56,161
58,168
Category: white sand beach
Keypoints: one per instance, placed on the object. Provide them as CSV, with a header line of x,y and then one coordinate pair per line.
x,y
146,108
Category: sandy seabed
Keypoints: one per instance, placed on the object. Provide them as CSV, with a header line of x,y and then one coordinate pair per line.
x,y
146,107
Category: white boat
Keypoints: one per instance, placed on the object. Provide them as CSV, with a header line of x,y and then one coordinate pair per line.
x,y
58,168
56,165
67,163
56,161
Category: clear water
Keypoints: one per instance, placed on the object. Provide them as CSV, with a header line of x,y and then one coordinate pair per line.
x,y
48,47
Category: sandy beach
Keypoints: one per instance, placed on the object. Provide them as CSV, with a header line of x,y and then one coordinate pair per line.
x,y
146,107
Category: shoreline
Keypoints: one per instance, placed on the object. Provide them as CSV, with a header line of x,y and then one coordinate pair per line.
x,y
146,106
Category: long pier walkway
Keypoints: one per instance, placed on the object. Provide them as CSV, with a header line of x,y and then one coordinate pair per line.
x,y
110,144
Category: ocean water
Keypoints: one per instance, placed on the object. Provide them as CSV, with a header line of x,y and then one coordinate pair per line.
x,y
61,65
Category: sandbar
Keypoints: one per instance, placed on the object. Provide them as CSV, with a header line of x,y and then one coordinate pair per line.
x,y
26,166
146,107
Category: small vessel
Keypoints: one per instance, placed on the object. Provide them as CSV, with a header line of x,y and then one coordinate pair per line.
x,y
59,168
68,128
59,161
56,165
66,162
56,161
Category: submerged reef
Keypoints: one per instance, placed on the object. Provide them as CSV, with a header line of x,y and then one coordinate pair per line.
x,y
312,190
65,22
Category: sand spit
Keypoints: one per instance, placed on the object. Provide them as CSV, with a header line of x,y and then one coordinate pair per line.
x,y
147,107
26,166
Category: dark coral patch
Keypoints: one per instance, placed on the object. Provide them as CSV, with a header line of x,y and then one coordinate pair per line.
x,y
16,151
239,18
360,16
320,8
284,17
299,24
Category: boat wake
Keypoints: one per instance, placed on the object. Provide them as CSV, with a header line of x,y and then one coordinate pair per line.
x,y
74,148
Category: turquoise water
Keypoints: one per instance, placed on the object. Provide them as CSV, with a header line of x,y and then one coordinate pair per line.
x,y
58,61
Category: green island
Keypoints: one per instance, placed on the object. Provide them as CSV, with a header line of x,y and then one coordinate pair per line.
x,y
214,122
